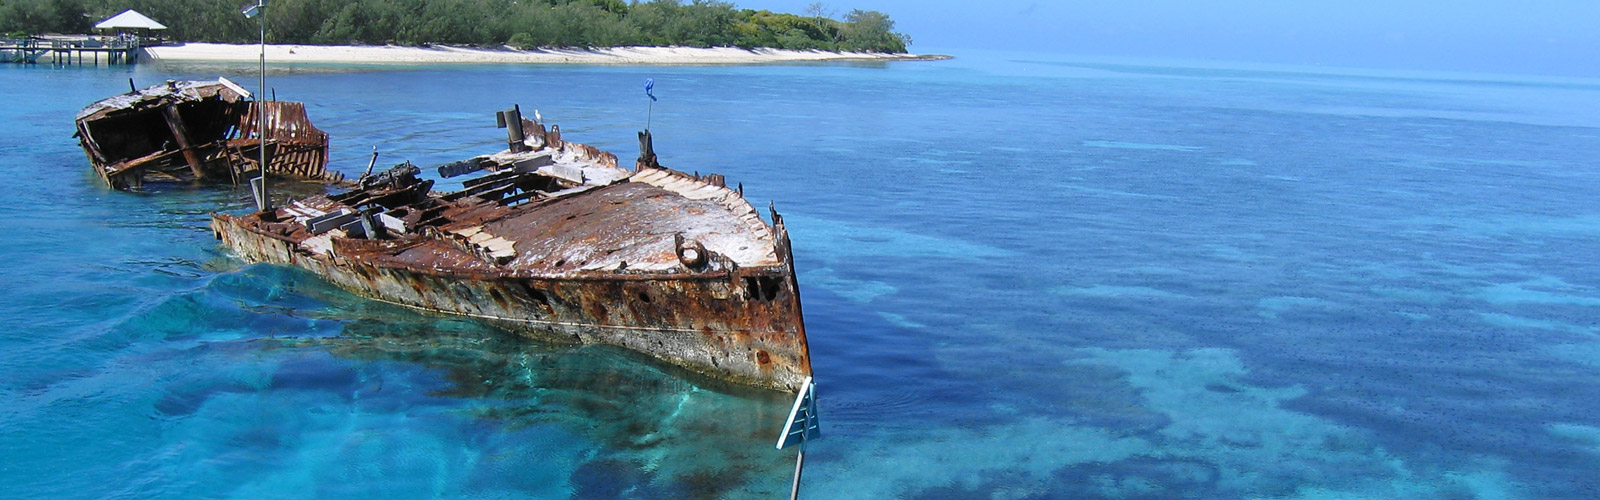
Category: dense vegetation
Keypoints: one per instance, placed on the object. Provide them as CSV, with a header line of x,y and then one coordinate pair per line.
x,y
519,23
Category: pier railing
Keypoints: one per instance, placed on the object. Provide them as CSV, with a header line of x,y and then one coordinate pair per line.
x,y
74,50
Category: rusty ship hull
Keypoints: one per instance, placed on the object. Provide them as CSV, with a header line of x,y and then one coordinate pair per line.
x,y
198,130
559,244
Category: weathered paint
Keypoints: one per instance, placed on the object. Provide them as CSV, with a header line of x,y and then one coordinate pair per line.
x,y
183,131
657,261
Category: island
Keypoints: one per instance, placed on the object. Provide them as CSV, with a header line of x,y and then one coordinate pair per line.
x,y
490,31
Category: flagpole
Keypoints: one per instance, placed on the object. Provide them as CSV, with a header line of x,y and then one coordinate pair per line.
x,y
258,185
264,202
649,87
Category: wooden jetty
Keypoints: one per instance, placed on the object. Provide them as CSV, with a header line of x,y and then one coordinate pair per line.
x,y
71,50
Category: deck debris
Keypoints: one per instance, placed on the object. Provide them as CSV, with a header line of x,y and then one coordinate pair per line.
x,y
554,240
198,130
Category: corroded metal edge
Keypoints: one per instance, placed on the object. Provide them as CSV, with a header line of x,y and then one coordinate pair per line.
x,y
730,319
223,145
728,325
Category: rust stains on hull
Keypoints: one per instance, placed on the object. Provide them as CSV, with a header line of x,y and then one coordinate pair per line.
x,y
558,243
198,130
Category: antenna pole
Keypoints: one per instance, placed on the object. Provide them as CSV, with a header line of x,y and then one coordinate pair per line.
x,y
263,203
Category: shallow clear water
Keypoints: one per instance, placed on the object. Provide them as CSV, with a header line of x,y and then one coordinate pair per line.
x,y
1024,277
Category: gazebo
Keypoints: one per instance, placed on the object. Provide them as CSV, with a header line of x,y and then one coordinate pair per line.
x,y
130,21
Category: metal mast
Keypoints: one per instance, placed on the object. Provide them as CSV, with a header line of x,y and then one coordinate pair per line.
x,y
258,186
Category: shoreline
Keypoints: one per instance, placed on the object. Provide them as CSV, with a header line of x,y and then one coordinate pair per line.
x,y
441,54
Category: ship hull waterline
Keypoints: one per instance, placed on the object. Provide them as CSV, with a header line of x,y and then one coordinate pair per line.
x,y
743,326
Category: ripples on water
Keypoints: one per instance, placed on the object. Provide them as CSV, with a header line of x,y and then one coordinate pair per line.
x,y
1024,279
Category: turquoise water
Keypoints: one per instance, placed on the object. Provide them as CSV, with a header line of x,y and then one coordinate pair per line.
x,y
1025,277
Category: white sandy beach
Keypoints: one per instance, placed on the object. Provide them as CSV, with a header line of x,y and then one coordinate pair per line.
x,y
443,55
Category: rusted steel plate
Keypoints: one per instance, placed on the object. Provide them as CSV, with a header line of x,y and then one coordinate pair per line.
x,y
557,242
183,131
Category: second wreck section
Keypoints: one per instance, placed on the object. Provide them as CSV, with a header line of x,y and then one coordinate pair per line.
x,y
184,131
558,242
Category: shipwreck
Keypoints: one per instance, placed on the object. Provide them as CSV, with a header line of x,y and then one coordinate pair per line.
x,y
553,240
183,131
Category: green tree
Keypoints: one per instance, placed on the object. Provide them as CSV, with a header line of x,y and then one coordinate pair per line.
x,y
871,31
33,17
821,16
520,23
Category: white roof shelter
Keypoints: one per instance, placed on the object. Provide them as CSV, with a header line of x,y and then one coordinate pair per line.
x,y
129,19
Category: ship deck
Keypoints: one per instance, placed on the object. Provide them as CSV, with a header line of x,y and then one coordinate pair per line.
x,y
631,225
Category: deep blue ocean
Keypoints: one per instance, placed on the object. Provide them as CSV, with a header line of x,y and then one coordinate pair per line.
x,y
1024,276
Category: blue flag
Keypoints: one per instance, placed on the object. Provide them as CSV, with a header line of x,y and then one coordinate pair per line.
x,y
649,85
